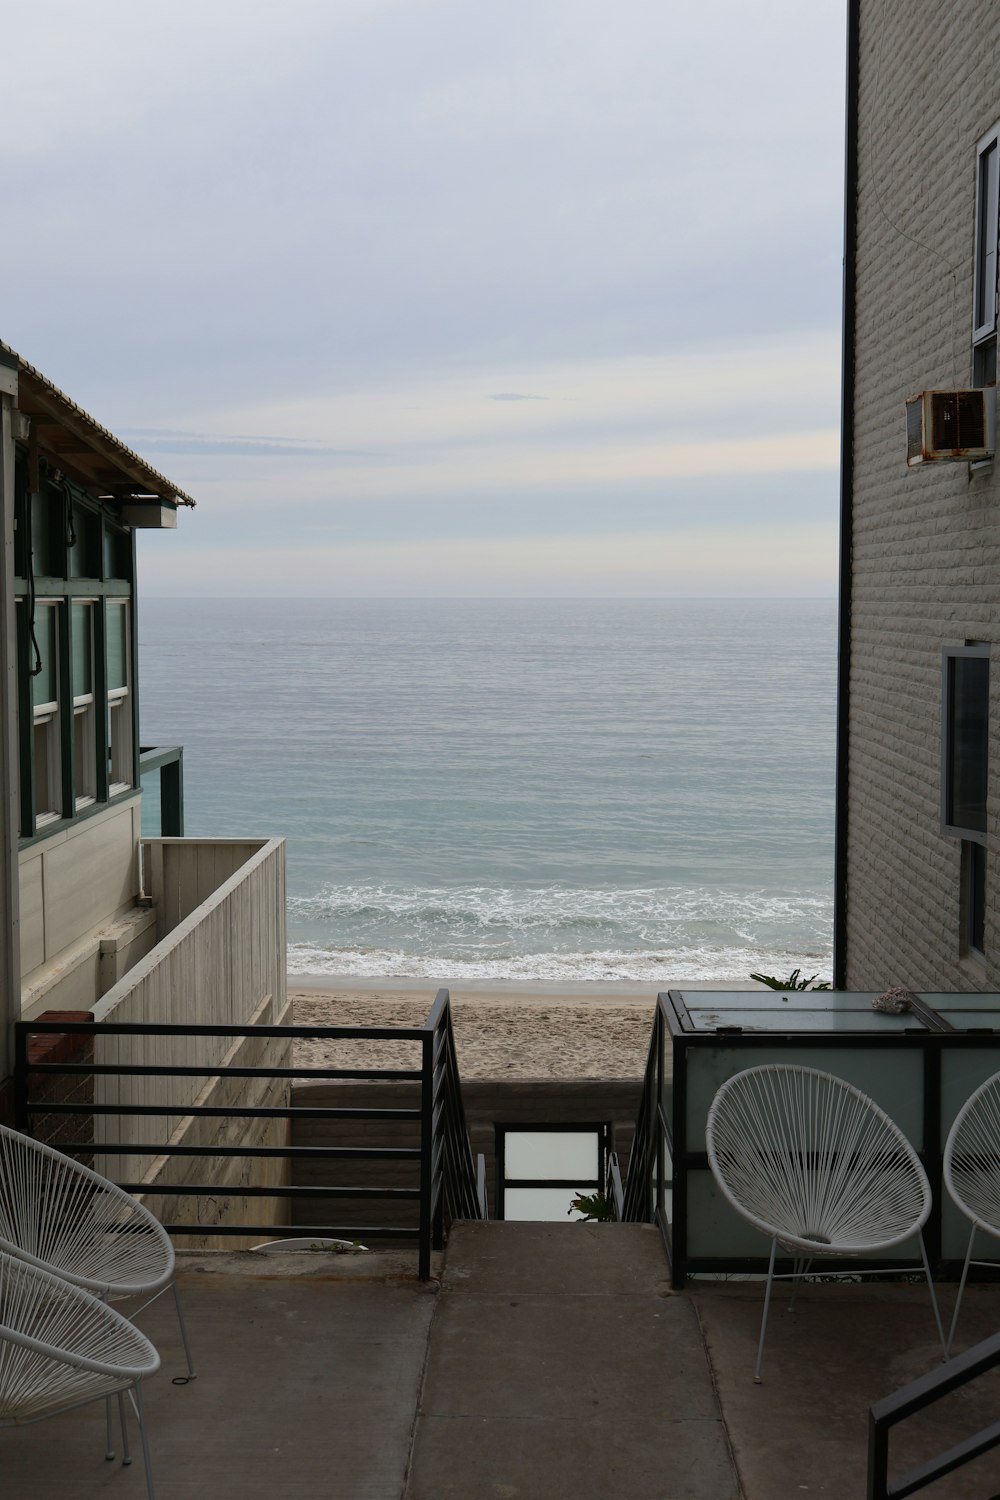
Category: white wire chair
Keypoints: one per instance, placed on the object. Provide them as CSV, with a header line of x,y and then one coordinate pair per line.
x,y
817,1166
972,1172
61,1348
60,1216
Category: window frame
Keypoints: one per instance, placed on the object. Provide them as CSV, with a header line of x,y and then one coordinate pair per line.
x,y
120,747
77,754
986,249
84,714
46,724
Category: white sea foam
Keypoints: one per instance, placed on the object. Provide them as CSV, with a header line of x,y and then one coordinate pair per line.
x,y
558,933
658,969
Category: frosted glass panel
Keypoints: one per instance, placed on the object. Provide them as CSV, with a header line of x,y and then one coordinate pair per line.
x,y
551,1153
82,645
116,647
893,1077
541,1204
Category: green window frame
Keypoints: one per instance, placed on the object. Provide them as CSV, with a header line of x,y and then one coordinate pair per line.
x,y
75,613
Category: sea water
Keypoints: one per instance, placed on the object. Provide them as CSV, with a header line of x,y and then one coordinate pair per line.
x,y
536,790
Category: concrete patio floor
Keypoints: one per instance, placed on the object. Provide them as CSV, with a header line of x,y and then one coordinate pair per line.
x,y
346,1378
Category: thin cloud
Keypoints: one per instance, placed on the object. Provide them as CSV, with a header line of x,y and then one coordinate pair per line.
x,y
516,396
235,445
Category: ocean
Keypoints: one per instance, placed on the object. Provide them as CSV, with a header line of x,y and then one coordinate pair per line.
x,y
531,790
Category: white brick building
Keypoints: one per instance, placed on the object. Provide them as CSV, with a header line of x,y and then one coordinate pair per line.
x,y
918,879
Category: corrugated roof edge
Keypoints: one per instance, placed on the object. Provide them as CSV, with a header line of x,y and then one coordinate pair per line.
x,y
159,484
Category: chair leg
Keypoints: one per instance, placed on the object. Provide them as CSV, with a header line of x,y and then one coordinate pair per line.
x,y
135,1393
961,1289
191,1375
934,1300
109,1445
763,1321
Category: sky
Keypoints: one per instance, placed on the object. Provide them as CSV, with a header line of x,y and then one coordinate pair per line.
x,y
433,298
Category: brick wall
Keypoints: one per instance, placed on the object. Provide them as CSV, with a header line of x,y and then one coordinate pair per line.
x,y
926,542
62,1130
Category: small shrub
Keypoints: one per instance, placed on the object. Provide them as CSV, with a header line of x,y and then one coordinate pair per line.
x,y
594,1208
793,982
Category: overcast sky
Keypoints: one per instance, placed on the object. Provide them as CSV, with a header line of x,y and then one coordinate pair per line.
x,y
435,297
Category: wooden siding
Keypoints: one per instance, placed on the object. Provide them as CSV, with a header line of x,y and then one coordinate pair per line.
x,y
71,883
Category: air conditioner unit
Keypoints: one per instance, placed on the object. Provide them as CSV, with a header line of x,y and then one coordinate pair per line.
x,y
950,426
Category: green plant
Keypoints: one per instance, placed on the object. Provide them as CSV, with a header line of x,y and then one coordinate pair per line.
x,y
793,982
593,1208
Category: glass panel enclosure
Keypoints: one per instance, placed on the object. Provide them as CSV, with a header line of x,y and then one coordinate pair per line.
x,y
919,1066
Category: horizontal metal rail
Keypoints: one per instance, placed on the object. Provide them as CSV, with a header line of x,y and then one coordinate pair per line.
x,y
915,1397
447,1182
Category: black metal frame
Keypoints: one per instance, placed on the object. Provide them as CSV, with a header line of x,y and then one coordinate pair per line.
x,y
661,1161
602,1129
169,761
449,1185
912,1398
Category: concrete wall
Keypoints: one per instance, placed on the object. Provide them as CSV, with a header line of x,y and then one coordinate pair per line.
x,y
926,542
487,1104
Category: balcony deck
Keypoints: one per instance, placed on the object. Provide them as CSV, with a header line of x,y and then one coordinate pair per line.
x,y
550,1361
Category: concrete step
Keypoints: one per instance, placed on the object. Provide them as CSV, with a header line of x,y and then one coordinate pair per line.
x,y
561,1364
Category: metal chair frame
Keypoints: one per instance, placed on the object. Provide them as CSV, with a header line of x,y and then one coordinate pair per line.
x,y
817,1166
971,1170
62,1348
63,1217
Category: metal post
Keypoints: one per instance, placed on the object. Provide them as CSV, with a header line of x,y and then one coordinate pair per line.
x,y
172,798
10,946
426,1151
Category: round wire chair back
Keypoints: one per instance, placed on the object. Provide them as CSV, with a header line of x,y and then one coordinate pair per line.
x,y
56,1213
972,1157
60,1346
812,1161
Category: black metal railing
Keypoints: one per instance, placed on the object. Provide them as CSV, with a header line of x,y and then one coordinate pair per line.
x,y
169,761
447,1184
616,1191
915,1397
648,1180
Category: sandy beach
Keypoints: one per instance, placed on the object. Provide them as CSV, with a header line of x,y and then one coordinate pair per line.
x,y
501,1031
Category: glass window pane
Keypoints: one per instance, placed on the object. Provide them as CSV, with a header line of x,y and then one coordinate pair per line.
x,y
119,744
551,1153
84,753
116,647
968,734
541,1204
45,686
83,681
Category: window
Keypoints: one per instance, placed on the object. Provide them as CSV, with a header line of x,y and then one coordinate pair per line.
x,y
966,723
84,718
973,898
966,739
76,691
984,310
119,707
45,714
542,1168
